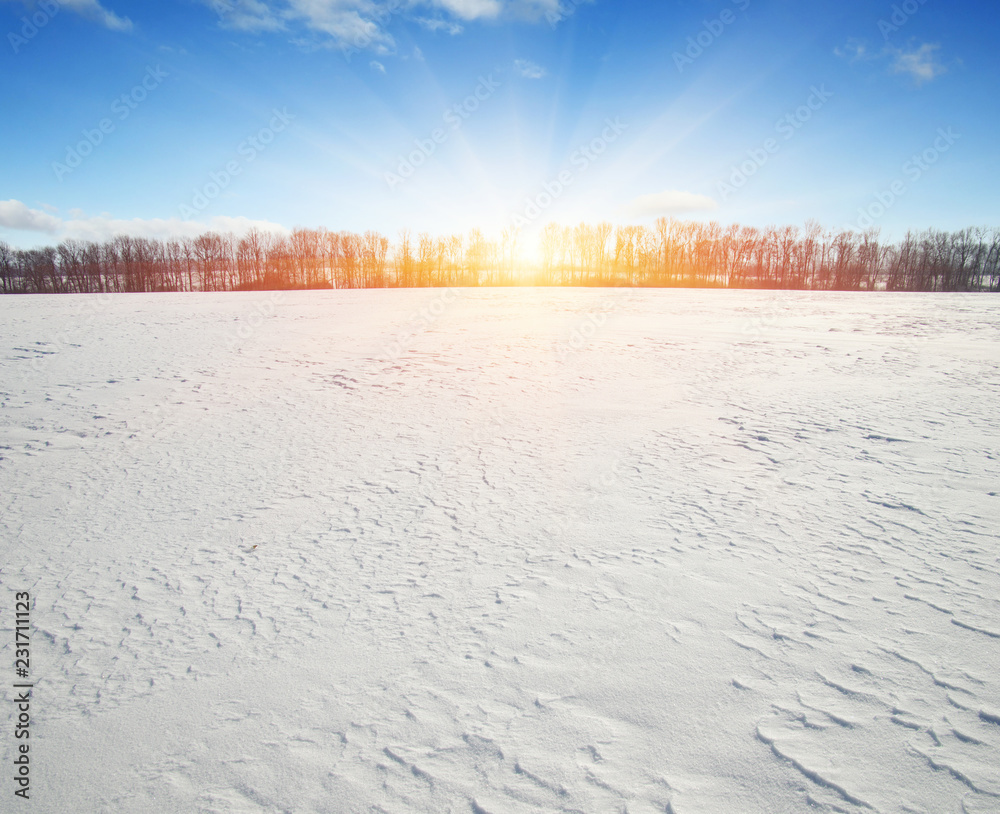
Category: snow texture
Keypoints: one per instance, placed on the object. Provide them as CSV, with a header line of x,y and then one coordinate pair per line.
x,y
534,550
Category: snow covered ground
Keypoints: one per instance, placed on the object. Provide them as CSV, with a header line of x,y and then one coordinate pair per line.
x,y
533,551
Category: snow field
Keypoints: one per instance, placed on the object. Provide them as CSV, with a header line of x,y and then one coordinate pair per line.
x,y
720,551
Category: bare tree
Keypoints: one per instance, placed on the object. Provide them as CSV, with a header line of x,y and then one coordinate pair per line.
x,y
673,253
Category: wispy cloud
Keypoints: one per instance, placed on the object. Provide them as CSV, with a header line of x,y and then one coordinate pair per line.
x,y
92,10
15,215
921,63
246,15
528,69
855,51
555,11
378,67
552,11
472,9
349,22
95,11
493,9
436,24
670,202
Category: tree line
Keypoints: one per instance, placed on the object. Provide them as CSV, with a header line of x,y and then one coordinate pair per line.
x,y
671,253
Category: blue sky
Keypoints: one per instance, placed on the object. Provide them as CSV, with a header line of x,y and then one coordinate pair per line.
x,y
443,115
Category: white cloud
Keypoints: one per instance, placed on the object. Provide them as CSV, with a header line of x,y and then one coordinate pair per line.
x,y
920,63
528,69
246,15
671,202
377,67
15,215
357,24
854,50
92,9
551,10
472,9
435,24
554,11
